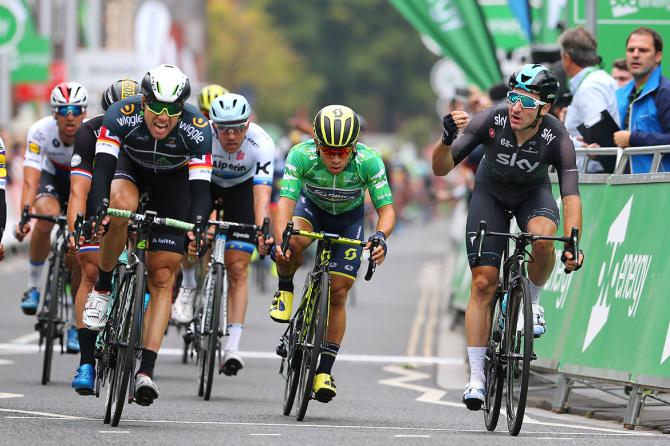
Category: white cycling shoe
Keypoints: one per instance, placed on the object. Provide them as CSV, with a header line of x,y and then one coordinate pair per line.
x,y
473,397
539,326
232,363
182,308
95,310
146,390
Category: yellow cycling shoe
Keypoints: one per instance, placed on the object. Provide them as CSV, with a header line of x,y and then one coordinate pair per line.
x,y
324,387
280,310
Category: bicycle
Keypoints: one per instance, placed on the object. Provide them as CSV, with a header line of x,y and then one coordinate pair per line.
x,y
510,346
304,338
211,322
55,308
125,323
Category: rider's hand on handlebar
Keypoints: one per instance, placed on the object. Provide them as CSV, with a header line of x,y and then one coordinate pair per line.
x,y
278,255
568,260
379,253
263,245
20,232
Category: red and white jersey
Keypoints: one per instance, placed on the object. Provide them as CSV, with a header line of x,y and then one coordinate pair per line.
x,y
45,150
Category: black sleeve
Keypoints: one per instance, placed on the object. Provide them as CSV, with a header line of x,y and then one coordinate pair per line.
x,y
472,136
3,213
103,173
201,203
565,162
84,146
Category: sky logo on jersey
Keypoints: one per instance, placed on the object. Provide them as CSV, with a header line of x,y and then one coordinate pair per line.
x,y
333,195
501,121
548,136
192,132
129,121
511,160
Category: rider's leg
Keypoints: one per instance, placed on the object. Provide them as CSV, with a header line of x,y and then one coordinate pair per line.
x,y
337,319
543,254
40,242
124,195
162,268
89,271
237,265
478,319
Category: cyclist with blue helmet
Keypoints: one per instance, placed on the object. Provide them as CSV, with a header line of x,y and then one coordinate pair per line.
x,y
521,140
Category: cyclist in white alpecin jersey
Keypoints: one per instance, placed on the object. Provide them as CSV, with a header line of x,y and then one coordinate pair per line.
x,y
242,157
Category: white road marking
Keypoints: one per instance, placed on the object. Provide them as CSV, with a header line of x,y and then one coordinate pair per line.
x,y
29,338
6,361
43,414
555,438
433,315
11,395
411,436
265,435
417,324
113,432
8,348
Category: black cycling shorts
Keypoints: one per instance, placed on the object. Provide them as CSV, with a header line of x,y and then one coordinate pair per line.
x,y
169,197
237,203
56,187
490,200
345,260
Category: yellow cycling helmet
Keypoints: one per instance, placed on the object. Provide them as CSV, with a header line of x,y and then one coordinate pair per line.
x,y
207,95
336,126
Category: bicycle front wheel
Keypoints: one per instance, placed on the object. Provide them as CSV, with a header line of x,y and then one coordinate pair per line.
x,y
493,369
317,325
50,321
213,341
293,361
519,350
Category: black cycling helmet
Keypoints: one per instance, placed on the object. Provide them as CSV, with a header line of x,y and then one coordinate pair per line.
x,y
120,89
166,83
538,79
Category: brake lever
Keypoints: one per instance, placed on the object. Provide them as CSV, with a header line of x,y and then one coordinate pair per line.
x,y
372,265
199,230
286,237
481,234
265,229
78,228
574,249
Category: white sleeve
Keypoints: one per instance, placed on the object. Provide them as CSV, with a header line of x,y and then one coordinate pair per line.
x,y
35,142
265,160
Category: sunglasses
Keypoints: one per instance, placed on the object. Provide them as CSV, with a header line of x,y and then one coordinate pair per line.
x,y
526,101
170,108
234,129
332,152
64,110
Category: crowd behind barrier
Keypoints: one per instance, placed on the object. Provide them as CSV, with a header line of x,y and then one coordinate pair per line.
x,y
610,321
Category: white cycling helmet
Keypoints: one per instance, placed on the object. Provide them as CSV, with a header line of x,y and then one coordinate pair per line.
x,y
166,83
230,108
69,93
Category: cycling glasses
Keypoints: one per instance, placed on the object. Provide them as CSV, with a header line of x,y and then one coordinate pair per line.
x,y
234,129
526,101
64,110
332,152
170,108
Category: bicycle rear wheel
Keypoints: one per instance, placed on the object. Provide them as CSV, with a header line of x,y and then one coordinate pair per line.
x,y
55,280
316,333
493,369
519,350
213,341
126,341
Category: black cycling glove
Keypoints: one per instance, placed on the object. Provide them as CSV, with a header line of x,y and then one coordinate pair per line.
x,y
382,240
450,130
564,258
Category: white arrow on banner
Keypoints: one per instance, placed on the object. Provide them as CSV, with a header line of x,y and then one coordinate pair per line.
x,y
666,347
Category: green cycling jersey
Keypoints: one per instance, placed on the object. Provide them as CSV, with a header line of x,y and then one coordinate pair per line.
x,y
335,194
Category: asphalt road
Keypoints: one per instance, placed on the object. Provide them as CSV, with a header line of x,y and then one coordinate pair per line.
x,y
387,391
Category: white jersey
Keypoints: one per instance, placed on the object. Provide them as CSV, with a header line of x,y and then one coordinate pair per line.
x,y
45,150
254,158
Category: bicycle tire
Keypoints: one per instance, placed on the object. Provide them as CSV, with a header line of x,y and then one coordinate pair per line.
x,y
200,343
318,325
213,337
294,355
519,349
55,270
126,354
493,371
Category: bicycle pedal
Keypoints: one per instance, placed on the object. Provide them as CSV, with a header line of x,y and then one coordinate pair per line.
x,y
188,336
281,351
533,357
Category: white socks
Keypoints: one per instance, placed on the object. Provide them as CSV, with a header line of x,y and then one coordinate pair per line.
x,y
476,356
188,278
234,335
534,292
35,274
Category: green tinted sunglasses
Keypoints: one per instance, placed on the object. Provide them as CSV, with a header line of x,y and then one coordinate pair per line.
x,y
170,108
526,101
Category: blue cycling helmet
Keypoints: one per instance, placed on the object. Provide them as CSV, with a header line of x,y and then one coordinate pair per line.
x,y
538,79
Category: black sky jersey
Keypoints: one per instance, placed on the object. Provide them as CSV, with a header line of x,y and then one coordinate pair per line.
x,y
506,162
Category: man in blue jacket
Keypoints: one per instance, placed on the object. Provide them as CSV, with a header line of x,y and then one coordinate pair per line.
x,y
644,103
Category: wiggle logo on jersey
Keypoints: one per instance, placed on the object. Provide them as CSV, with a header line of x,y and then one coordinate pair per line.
x,y
128,109
548,136
130,121
501,121
199,121
192,132
511,160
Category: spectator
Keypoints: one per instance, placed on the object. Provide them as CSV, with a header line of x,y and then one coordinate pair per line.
x,y
592,88
644,103
620,72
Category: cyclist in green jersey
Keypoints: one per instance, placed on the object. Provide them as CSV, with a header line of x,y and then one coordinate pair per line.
x,y
323,190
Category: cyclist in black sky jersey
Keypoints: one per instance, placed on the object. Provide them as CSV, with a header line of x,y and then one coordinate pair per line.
x,y
520,142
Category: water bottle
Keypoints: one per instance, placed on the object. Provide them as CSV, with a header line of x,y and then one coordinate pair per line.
x,y
503,312
147,296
